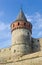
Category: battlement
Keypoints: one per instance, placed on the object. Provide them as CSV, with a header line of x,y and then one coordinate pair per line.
x,y
21,24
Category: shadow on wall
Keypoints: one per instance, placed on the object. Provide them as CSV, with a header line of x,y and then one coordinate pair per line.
x,y
35,45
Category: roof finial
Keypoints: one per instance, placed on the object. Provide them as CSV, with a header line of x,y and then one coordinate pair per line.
x,y
21,15
21,7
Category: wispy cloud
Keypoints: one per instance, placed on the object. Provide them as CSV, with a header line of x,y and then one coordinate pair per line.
x,y
3,26
29,18
5,34
36,20
40,33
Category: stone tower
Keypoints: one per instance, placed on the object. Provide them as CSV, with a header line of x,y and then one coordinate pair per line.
x,y
21,35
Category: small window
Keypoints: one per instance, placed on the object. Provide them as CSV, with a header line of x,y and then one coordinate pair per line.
x,y
38,40
32,47
14,51
24,23
37,46
28,33
18,23
32,41
13,25
9,58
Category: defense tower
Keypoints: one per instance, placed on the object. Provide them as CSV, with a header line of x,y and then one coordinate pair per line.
x,y
21,35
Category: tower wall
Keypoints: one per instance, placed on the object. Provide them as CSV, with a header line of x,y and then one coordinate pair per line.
x,y
21,41
35,45
21,35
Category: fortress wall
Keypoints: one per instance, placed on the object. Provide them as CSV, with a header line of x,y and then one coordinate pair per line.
x,y
8,51
31,59
5,52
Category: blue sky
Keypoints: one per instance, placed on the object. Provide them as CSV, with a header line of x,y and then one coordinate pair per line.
x,y
9,10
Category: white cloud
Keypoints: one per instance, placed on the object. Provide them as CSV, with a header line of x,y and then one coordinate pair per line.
x,y
5,34
5,43
40,33
3,26
29,18
4,30
36,20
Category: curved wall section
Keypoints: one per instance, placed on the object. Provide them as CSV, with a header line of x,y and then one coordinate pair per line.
x,y
21,41
21,36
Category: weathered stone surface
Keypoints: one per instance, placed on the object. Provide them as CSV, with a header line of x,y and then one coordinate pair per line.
x,y
31,59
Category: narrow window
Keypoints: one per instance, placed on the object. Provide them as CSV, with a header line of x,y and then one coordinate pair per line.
x,y
32,41
13,25
38,40
28,33
14,51
9,58
37,46
18,23
24,23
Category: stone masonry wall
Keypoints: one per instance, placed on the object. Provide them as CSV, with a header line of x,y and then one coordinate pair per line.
x,y
31,59
21,39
